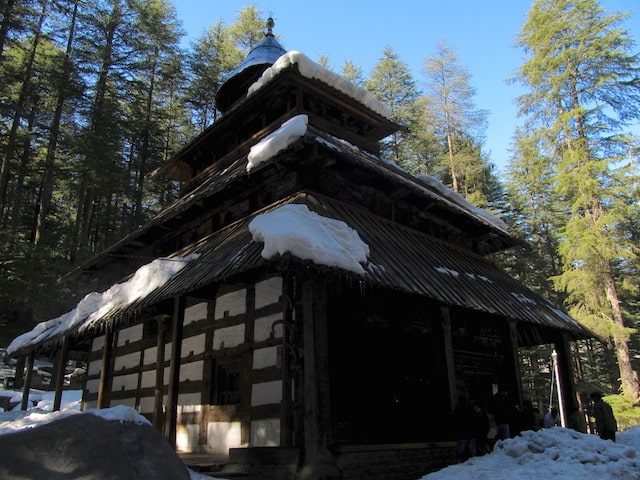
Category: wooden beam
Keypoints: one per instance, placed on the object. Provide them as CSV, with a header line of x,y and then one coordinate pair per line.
x,y
158,396
27,381
105,369
515,362
60,371
174,370
318,460
448,354
20,362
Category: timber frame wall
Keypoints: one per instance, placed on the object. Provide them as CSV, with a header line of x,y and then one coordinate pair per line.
x,y
231,380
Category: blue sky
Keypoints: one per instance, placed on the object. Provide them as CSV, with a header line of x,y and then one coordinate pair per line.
x,y
481,32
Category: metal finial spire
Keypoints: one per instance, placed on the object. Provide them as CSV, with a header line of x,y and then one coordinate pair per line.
x,y
270,25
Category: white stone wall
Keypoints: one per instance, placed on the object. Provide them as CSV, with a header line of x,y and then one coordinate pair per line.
x,y
265,433
265,357
148,379
193,345
231,304
228,337
129,360
266,393
93,385
125,382
221,436
130,335
268,292
262,327
190,399
187,437
146,405
94,367
97,343
195,313
191,371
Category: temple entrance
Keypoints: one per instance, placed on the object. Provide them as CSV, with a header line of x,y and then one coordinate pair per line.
x,y
386,370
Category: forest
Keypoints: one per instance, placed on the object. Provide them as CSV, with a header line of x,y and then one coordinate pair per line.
x,y
95,95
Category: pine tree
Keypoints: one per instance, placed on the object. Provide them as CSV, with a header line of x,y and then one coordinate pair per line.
x,y
156,48
20,112
583,88
212,58
248,29
352,72
536,214
458,121
64,88
392,83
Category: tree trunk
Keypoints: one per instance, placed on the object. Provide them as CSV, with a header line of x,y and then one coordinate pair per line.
x,y
19,112
146,140
54,132
7,16
17,201
628,377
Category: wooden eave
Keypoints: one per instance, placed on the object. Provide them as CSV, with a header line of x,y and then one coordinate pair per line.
x,y
372,125
400,259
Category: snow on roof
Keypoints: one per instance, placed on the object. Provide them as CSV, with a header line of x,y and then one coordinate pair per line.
x,y
295,229
288,133
310,69
459,200
93,306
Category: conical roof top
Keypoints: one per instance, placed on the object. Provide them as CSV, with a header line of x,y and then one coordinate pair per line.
x,y
261,57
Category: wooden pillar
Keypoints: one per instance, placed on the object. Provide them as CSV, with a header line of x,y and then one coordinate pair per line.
x,y
174,370
318,462
105,369
288,339
158,395
20,363
448,354
27,381
512,350
566,380
63,356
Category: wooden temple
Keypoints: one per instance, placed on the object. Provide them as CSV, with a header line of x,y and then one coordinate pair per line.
x,y
308,368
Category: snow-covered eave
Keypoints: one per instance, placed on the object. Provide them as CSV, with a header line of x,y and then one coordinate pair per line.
x,y
95,309
309,69
436,192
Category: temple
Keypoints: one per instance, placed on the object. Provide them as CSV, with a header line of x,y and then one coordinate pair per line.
x,y
305,306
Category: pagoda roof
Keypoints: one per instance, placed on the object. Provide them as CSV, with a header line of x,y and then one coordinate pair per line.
x,y
264,54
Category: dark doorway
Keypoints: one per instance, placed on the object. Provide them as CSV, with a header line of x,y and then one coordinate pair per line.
x,y
386,369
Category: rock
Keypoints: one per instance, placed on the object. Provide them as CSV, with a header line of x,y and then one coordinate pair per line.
x,y
88,447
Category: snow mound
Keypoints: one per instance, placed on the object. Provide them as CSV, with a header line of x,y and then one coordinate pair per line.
x,y
552,453
305,234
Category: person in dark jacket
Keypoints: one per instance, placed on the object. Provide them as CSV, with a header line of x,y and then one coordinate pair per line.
x,y
465,428
504,412
606,424
575,419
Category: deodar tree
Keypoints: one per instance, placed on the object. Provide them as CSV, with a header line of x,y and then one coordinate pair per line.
x,y
583,88
459,123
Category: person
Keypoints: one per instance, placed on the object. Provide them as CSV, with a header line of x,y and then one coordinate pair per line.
x,y
575,419
606,424
503,410
482,427
529,417
464,425
551,418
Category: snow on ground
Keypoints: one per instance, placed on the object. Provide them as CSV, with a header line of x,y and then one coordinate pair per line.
x,y
550,453
555,452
